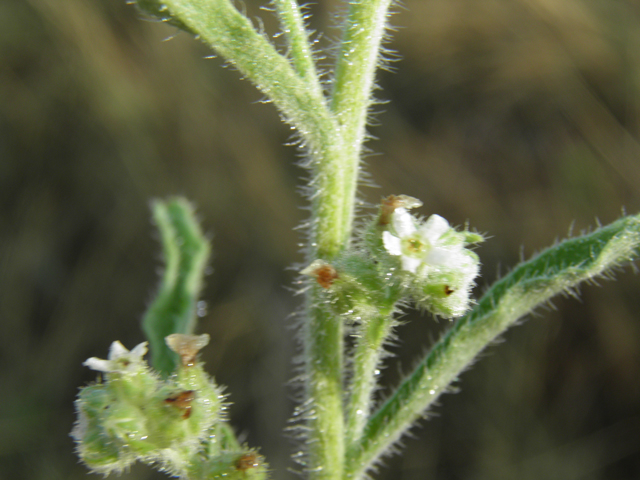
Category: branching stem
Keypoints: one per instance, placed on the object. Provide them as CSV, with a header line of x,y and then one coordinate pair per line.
x,y
332,131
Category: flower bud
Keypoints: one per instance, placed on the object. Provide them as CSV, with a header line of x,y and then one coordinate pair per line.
x,y
323,272
234,465
94,446
446,293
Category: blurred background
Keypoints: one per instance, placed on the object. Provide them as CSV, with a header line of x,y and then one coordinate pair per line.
x,y
519,116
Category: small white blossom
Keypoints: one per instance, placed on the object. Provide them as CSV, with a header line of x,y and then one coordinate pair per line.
x,y
443,269
120,359
422,244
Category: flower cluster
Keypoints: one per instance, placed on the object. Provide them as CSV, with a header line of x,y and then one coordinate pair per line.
x,y
439,268
421,246
402,256
134,415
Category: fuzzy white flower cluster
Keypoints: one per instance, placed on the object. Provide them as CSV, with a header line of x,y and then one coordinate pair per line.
x,y
442,270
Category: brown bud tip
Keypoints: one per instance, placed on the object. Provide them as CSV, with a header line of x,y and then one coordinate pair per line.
x,y
182,401
323,272
187,346
247,461
389,204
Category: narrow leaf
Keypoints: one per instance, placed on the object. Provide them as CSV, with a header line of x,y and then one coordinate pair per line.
x,y
185,252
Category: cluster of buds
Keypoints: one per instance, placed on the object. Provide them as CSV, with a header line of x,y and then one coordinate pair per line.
x,y
426,260
132,414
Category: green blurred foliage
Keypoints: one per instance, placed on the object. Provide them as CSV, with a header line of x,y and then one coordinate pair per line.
x,y
522,117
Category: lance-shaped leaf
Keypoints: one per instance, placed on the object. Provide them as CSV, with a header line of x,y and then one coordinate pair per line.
x,y
186,252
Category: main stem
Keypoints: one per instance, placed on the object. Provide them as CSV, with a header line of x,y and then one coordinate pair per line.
x,y
323,336
332,132
336,166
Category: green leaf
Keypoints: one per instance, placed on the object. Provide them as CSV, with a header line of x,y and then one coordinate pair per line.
x,y
186,252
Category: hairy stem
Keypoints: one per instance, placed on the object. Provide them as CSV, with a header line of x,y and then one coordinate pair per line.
x,y
353,83
219,24
333,192
369,349
292,22
556,270
323,357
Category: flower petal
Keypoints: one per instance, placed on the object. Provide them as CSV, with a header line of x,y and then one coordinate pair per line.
x,y
117,350
392,243
403,222
410,264
445,257
139,351
434,228
98,364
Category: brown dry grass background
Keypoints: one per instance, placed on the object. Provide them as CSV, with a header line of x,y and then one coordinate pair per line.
x,y
521,116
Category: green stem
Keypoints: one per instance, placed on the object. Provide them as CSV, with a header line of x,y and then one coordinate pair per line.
x,y
336,171
369,350
558,269
334,177
353,82
292,22
322,332
323,355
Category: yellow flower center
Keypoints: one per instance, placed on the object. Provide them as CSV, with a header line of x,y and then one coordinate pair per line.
x,y
414,246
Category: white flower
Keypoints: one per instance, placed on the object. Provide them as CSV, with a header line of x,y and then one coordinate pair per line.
x,y
120,359
422,244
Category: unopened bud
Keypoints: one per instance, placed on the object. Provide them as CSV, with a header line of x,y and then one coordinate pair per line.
x,y
323,272
187,346
390,203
